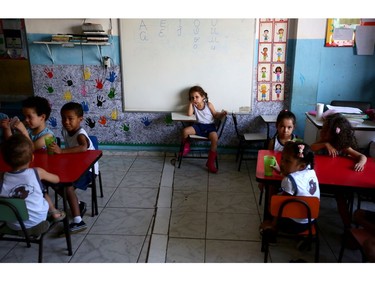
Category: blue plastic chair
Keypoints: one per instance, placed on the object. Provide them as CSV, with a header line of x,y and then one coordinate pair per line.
x,y
95,142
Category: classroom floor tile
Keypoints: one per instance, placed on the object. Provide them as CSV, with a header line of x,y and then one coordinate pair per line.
x,y
154,212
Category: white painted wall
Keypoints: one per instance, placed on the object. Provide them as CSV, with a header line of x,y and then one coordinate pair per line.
x,y
52,26
311,28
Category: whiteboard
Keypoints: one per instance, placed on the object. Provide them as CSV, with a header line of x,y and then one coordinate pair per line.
x,y
162,58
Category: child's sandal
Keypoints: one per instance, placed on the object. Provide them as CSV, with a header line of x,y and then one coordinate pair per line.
x,y
61,216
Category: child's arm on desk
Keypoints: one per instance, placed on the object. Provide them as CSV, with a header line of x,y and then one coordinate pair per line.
x,y
82,147
361,159
324,145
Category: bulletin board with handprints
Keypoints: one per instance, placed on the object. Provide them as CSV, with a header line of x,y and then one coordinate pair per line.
x,y
271,59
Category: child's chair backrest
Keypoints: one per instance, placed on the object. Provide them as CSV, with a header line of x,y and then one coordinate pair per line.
x,y
220,125
94,141
13,209
297,207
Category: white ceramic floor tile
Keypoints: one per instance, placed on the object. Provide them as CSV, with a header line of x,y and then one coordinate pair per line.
x,y
199,218
233,251
158,248
134,197
186,250
187,224
109,249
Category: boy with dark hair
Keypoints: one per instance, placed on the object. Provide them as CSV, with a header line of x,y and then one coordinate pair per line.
x,y
36,111
76,140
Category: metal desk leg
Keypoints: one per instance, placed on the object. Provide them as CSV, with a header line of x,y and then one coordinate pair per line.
x,y
266,214
94,200
66,225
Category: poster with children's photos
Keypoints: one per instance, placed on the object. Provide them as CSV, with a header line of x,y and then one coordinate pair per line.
x,y
280,32
264,72
272,45
278,52
277,91
265,32
264,92
265,52
278,72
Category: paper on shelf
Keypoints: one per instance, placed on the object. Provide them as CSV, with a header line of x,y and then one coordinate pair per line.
x,y
345,109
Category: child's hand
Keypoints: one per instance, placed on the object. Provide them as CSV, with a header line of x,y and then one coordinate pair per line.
x,y
55,148
331,150
5,123
276,167
16,124
360,165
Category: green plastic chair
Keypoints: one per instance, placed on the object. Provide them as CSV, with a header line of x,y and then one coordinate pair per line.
x,y
14,209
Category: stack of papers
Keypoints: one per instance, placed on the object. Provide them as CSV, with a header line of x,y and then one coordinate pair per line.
x,y
348,112
345,109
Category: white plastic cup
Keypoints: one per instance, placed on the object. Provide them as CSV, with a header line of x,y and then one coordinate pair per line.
x,y
319,111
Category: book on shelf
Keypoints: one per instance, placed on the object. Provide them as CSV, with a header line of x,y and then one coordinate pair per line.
x,y
98,38
100,33
92,27
61,37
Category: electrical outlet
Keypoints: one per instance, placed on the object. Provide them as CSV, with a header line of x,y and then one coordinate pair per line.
x,y
107,62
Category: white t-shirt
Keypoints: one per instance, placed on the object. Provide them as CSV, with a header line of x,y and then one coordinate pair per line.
x,y
204,115
278,146
71,141
26,184
301,183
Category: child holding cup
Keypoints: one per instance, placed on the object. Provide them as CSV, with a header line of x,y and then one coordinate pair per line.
x,y
36,111
76,140
285,125
297,167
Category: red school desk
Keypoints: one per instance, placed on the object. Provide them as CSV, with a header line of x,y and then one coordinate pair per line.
x,y
334,174
69,167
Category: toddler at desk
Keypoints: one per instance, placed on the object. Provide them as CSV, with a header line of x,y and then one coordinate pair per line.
x,y
24,182
206,114
36,111
285,125
76,140
297,166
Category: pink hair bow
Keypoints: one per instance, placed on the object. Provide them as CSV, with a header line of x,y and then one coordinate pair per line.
x,y
338,130
301,147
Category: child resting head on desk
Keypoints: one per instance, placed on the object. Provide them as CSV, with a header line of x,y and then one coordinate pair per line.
x,y
337,138
205,126
76,140
24,182
297,167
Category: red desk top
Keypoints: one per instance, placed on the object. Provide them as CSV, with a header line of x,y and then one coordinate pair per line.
x,y
68,166
335,172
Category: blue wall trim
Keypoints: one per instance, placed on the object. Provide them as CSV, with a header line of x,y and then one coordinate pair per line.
x,y
79,55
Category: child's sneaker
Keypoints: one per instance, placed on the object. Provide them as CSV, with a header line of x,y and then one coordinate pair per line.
x,y
77,227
